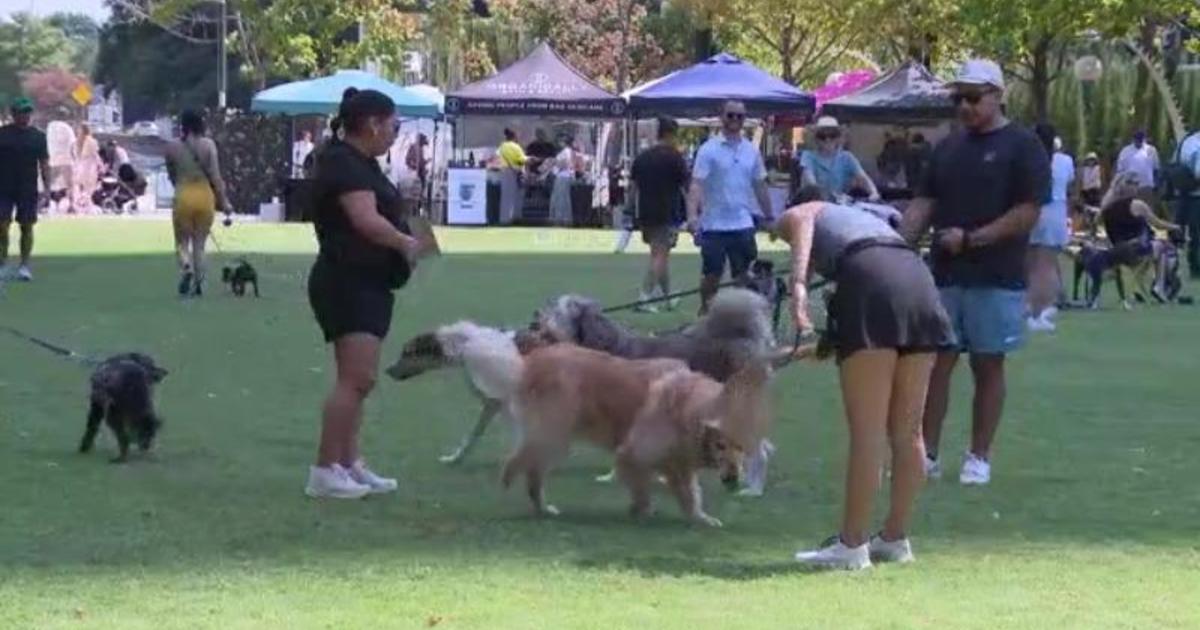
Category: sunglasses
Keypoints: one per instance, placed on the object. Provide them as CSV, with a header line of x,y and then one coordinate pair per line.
x,y
828,135
972,98
734,116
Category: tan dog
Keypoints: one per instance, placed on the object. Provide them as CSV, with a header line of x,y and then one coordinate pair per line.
x,y
658,416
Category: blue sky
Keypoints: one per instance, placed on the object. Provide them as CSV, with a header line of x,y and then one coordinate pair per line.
x,y
94,8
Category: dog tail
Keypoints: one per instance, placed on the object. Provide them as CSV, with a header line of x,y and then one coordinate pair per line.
x,y
737,313
492,360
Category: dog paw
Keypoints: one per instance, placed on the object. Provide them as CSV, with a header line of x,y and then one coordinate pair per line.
x,y
548,511
704,519
607,477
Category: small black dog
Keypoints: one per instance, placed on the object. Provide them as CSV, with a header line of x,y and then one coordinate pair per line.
x,y
761,279
238,277
123,395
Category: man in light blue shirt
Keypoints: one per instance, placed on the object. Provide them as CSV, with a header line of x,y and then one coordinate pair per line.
x,y
1187,211
728,180
831,168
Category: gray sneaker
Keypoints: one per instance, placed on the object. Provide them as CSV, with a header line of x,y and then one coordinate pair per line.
x,y
24,274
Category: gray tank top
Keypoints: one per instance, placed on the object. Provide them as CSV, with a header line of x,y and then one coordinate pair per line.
x,y
837,227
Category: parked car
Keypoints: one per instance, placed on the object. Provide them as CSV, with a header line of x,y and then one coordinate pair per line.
x,y
144,128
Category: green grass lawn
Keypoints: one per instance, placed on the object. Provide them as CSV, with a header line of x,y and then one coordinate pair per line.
x,y
1090,522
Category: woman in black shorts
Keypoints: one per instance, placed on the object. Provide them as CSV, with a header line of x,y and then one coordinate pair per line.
x,y
365,254
886,322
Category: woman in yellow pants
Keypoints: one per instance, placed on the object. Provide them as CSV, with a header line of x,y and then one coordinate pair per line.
x,y
195,172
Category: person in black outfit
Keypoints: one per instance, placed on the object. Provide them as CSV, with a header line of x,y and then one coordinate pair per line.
x,y
23,156
659,175
365,254
1129,223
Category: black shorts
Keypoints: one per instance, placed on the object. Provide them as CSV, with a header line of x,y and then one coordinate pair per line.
x,y
25,207
736,246
344,304
886,298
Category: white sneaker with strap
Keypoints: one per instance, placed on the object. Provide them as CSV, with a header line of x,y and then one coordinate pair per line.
x,y
333,482
899,551
976,471
834,554
363,475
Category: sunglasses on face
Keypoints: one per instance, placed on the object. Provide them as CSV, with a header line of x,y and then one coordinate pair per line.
x,y
972,98
828,135
734,116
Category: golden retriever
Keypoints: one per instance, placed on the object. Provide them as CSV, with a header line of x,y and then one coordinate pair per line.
x,y
655,414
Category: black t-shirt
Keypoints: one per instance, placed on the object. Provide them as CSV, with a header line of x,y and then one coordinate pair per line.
x,y
975,179
660,174
541,149
21,148
341,169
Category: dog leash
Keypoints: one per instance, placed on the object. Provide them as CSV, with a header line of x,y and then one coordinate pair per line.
x,y
65,353
819,284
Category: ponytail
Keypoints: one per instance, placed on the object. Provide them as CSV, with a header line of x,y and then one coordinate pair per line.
x,y
339,120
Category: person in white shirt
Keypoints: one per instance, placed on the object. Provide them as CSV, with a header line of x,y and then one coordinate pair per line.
x,y
1091,180
1187,210
300,150
1141,159
1049,236
566,165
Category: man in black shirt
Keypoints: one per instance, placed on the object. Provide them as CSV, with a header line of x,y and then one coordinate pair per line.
x,y
23,155
982,194
659,175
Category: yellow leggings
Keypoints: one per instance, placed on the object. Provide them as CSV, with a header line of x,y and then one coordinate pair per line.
x,y
195,207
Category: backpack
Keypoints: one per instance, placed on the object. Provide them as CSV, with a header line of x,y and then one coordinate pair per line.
x,y
1181,176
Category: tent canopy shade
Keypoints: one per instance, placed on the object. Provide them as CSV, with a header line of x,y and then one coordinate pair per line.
x,y
699,91
541,84
322,96
909,93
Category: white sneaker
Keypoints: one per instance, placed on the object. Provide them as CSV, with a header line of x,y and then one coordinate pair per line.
x,y
976,471
899,551
333,482
645,308
933,468
363,475
1050,313
24,274
833,554
1038,324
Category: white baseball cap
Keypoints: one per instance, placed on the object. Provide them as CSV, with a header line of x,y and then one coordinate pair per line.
x,y
827,122
979,72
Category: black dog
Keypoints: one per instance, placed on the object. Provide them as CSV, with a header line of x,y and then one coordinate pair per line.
x,y
761,279
238,277
123,395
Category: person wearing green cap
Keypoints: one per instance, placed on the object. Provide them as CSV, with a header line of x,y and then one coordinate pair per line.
x,y
23,155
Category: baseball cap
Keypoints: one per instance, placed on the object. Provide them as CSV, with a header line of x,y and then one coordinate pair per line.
x,y
827,122
979,72
21,105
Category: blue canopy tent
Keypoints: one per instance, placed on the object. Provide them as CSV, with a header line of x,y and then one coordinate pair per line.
x,y
698,91
322,96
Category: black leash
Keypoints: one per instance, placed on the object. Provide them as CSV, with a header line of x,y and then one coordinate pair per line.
x,y
82,359
679,294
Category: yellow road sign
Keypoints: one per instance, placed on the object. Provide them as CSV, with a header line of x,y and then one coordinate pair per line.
x,y
82,94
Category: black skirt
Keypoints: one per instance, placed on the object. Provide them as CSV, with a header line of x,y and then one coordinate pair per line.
x,y
886,298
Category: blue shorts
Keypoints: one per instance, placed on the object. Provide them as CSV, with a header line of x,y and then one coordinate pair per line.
x,y
1051,229
24,205
737,246
985,320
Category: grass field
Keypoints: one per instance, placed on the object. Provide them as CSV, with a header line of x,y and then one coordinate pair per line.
x,y
1090,522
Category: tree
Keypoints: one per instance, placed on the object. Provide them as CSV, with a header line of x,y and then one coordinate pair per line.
x,y
1030,38
605,39
802,40
290,38
28,43
51,90
84,35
